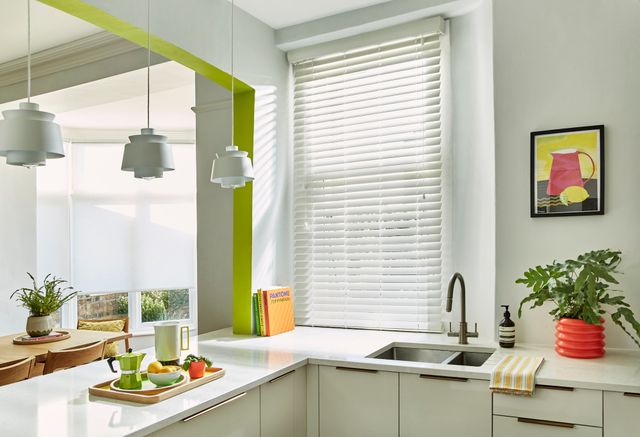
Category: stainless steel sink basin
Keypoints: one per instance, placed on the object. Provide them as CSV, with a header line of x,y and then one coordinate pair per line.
x,y
433,354
414,354
475,359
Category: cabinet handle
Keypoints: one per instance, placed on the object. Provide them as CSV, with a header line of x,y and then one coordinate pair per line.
x,y
206,410
546,422
281,376
354,369
554,387
631,395
445,378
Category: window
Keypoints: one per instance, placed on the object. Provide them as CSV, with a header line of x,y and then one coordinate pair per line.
x,y
128,245
369,186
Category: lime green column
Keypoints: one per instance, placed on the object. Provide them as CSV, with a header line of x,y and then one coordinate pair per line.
x,y
243,131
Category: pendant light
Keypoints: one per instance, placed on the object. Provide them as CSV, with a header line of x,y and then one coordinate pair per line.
x,y
232,169
148,155
29,136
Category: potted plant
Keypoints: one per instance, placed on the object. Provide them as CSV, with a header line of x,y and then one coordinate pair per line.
x,y
196,365
42,302
579,290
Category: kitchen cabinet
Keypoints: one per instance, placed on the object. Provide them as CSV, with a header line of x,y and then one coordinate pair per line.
x,y
621,417
439,406
283,405
512,426
357,402
238,416
552,403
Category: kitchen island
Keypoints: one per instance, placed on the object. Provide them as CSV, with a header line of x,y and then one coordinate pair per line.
x,y
59,404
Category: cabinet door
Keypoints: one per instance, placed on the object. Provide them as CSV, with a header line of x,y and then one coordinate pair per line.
x,y
283,405
621,418
358,403
442,406
236,417
521,427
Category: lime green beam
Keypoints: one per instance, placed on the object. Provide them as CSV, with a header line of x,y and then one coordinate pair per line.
x,y
244,115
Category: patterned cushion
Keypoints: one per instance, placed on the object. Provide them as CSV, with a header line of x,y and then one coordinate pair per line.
x,y
111,349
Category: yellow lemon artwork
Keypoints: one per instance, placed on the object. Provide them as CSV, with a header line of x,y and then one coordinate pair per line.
x,y
573,194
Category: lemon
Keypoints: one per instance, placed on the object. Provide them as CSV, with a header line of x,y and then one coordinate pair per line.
x,y
573,194
155,367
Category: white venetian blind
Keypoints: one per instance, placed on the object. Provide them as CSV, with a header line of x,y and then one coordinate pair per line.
x,y
368,187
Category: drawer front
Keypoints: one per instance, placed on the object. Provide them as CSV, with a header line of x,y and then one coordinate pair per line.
x,y
579,406
621,414
512,426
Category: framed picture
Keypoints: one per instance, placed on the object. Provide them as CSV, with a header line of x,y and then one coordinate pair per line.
x,y
567,172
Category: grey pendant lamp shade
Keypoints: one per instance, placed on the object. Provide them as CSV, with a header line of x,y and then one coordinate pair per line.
x,y
148,155
232,168
28,136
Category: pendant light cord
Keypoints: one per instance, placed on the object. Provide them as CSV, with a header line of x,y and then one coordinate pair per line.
x,y
29,51
232,83
148,62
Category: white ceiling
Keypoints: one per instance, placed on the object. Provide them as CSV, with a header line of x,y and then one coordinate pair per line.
x,y
119,102
283,13
49,28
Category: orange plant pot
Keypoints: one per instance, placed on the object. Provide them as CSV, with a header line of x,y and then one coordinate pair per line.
x,y
196,369
579,339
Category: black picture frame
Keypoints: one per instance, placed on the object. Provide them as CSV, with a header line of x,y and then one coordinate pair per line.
x,y
546,200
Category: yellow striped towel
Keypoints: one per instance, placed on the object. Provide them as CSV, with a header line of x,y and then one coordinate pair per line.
x,y
515,374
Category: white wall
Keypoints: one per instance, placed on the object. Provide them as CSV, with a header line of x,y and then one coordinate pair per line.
x,y
561,64
473,164
17,241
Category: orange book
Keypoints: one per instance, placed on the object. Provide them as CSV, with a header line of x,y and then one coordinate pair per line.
x,y
278,310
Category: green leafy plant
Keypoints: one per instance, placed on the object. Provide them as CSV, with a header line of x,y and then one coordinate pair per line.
x,y
580,290
46,299
194,358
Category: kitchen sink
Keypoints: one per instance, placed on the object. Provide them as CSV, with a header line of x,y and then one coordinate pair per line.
x,y
414,354
433,354
474,359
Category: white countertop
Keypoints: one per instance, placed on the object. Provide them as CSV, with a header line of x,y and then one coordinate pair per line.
x,y
59,404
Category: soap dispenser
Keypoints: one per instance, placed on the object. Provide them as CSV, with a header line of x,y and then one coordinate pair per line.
x,y
507,329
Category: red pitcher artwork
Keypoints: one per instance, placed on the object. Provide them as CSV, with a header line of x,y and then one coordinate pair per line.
x,y
567,175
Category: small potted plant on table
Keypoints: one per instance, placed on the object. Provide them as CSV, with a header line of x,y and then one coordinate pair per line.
x,y
42,302
580,292
196,365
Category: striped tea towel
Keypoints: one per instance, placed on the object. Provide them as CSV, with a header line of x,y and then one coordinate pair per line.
x,y
515,374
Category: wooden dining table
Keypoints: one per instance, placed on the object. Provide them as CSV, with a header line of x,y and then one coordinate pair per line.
x,y
78,337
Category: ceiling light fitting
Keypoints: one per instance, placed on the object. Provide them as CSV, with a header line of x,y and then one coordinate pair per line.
x,y
232,168
28,136
148,155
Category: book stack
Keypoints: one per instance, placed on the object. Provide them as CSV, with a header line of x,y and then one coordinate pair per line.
x,y
273,311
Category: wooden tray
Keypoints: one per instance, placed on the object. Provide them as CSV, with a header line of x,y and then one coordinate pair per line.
x,y
160,394
21,339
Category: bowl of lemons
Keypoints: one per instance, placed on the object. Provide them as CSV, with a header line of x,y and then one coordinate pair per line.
x,y
163,375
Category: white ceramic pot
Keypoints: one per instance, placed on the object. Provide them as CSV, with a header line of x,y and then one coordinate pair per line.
x,y
39,326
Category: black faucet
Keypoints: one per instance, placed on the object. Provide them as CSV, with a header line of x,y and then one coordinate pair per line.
x,y
462,334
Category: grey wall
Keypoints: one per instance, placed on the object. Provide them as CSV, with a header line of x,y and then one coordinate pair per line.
x,y
561,64
473,169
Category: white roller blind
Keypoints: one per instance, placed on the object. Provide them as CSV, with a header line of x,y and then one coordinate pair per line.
x,y
368,187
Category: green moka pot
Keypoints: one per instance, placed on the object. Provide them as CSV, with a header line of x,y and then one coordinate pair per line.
x,y
130,362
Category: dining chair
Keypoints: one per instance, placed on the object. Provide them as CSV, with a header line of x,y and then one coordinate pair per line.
x,y
115,324
16,370
73,357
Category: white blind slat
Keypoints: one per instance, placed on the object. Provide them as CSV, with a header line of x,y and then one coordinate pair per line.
x,y
368,184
